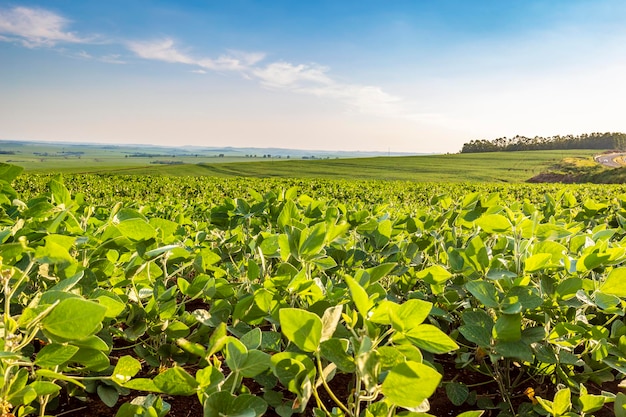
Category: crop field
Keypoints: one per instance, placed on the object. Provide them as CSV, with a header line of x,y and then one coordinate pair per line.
x,y
492,166
280,296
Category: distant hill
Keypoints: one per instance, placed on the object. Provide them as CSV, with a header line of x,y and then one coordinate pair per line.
x,y
61,148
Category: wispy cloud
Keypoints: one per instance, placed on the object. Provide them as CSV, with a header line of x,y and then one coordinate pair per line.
x,y
160,50
36,27
167,51
112,59
312,79
315,80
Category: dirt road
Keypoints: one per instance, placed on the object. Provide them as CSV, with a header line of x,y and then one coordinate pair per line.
x,y
609,159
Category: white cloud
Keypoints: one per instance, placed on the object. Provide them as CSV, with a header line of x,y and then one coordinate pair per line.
x,y
112,59
286,75
314,79
160,50
36,27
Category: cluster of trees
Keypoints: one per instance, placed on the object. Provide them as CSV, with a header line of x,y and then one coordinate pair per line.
x,y
523,143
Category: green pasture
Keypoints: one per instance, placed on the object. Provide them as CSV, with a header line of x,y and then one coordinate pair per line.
x,y
496,166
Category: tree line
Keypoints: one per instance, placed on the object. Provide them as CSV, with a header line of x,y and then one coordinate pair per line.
x,y
522,143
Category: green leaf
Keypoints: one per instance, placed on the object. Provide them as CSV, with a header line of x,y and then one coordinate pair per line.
x,y
478,335
126,368
615,283
620,405
359,296
256,362
74,319
562,402
252,339
431,339
60,193
435,274
9,172
53,253
301,327
224,404
457,392
508,328
494,223
45,388
175,381
484,291
476,413
537,262
410,314
516,349
136,229
410,383
312,241
334,350
142,384
108,395
55,354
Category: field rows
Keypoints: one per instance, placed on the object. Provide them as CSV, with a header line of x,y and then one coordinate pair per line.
x,y
258,296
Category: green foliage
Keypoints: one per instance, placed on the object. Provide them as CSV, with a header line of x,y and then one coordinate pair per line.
x,y
285,288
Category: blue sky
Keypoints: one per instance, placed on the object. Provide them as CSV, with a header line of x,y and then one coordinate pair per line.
x,y
415,76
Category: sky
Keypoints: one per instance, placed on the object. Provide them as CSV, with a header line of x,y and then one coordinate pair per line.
x,y
419,76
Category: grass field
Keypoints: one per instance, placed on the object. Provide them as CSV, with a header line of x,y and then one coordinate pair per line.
x,y
496,167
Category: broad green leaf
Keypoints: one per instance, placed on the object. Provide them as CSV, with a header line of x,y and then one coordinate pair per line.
x,y
9,172
175,381
431,339
494,223
108,395
136,229
301,327
312,241
359,296
410,314
74,319
142,384
252,339
236,354
409,384
256,362
53,253
45,388
478,335
615,283
508,328
334,350
435,274
516,349
224,404
562,402
126,368
537,262
484,291
457,392
55,354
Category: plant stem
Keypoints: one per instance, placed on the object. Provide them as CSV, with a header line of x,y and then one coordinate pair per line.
x,y
327,388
